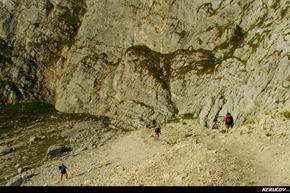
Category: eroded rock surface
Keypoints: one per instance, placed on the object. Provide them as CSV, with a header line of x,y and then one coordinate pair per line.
x,y
135,61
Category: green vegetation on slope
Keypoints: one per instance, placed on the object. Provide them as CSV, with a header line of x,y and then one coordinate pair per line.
x,y
151,61
25,114
188,116
23,120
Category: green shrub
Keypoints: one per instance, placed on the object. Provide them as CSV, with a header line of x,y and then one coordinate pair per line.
x,y
176,120
188,116
237,38
24,114
250,121
286,114
182,116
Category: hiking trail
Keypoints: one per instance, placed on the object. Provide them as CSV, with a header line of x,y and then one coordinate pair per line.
x,y
186,154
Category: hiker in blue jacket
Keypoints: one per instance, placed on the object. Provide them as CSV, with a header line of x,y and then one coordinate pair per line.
x,y
63,171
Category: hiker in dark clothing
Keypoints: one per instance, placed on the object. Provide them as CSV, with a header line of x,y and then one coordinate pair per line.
x,y
157,132
63,171
229,121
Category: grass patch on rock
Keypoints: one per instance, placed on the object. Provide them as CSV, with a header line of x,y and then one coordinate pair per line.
x,y
286,114
250,121
185,116
21,121
150,61
188,116
175,120
22,115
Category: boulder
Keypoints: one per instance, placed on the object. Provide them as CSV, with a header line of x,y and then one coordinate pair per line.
x,y
33,139
42,137
27,175
2,143
56,150
80,150
21,170
6,150
16,181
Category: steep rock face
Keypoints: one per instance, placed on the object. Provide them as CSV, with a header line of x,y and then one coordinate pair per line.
x,y
130,91
33,34
141,60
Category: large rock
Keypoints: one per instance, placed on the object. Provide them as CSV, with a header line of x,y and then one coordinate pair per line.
x,y
22,169
6,150
28,174
2,143
16,181
56,150
33,139
79,150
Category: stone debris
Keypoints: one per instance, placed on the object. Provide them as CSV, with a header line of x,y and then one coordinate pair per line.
x,y
56,150
6,150
33,139
15,181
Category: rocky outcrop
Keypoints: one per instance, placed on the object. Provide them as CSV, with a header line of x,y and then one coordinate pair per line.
x,y
32,37
21,178
55,150
131,91
6,150
16,181
135,61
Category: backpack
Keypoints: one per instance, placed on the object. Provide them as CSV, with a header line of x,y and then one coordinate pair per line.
x,y
61,168
229,120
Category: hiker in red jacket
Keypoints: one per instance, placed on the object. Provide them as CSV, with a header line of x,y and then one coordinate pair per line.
x,y
229,121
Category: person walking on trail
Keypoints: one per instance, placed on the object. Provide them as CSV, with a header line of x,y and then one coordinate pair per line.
x,y
157,130
229,121
63,171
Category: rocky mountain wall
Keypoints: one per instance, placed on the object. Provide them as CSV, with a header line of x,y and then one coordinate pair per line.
x,y
135,60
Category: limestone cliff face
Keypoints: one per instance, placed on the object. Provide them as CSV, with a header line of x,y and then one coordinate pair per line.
x,y
33,36
137,60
